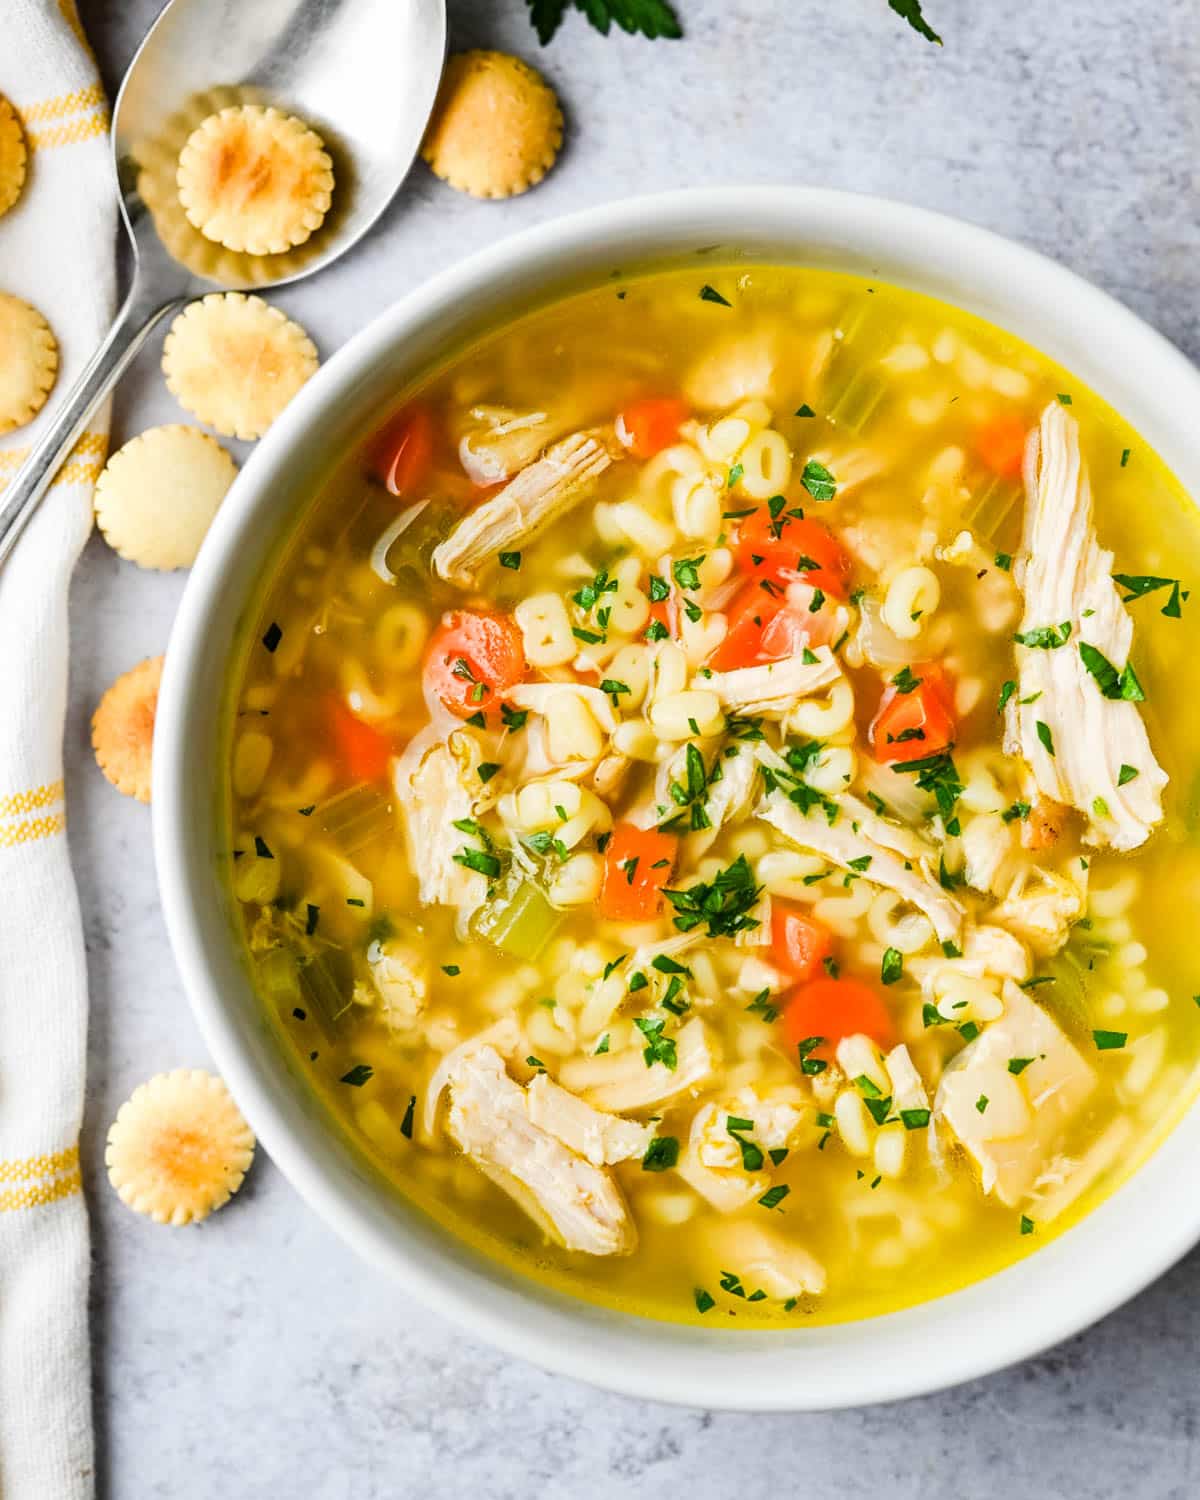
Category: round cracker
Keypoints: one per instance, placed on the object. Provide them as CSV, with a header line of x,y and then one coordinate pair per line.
x,y
13,156
123,728
156,496
235,362
496,127
254,179
28,362
179,1147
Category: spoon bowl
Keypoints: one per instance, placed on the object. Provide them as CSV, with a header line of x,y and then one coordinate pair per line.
x,y
363,74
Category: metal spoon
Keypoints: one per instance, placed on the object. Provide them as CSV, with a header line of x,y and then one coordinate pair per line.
x,y
363,73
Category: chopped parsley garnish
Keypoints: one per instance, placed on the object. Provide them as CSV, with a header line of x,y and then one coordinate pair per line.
x,y
312,916
300,1013
272,636
1109,1041
1026,1224
892,966
262,848
915,1119
1017,1065
1045,637
1113,684
1127,774
666,965
602,1046
809,1064
685,572
734,475
637,981
981,1103
510,560
614,688
307,812
761,1006
1125,452
936,774
406,1124
1004,561
818,481
724,903
656,631
1064,398
358,1075
486,770
752,1157
661,1154
1043,734
479,861
704,1300
1007,689
905,682
710,294
1019,810
804,410
593,637
513,718
477,720
660,589
658,1048
773,1197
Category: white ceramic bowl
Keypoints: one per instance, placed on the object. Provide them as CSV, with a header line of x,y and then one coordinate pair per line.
x,y
1076,1278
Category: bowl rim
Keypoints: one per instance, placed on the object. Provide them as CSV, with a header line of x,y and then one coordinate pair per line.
x,y
1089,1269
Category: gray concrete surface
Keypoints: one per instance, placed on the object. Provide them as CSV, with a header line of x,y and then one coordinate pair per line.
x,y
255,1358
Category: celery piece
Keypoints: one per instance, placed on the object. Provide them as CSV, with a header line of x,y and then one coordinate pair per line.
x,y
519,922
990,507
854,407
853,389
356,817
327,986
276,979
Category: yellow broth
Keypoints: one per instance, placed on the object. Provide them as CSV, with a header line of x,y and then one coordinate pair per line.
x,y
890,391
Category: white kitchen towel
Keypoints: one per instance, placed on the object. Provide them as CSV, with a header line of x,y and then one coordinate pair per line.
x,y
56,252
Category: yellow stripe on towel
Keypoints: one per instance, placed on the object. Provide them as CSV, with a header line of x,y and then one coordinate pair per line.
x,y
64,104
30,1168
18,803
40,1193
31,831
69,134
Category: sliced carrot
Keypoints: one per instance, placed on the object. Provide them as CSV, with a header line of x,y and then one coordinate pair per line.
x,y
637,864
769,624
402,455
799,943
362,752
912,725
832,1009
647,427
1000,443
786,547
473,659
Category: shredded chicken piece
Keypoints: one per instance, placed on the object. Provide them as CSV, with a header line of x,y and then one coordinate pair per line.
x,y
579,1203
536,496
764,1259
896,859
436,784
1066,579
505,1036
623,1082
908,1087
1024,1113
1067,1178
988,952
504,441
1040,907
594,1134
774,687
399,975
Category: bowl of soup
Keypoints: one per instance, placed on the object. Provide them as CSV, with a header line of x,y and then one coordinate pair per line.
x,y
668,805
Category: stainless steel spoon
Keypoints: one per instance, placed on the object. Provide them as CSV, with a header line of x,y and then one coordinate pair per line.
x,y
363,73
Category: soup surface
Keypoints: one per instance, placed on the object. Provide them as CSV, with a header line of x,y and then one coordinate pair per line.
x,y
705,811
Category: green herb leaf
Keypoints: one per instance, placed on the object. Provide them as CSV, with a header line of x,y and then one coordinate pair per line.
x,y
1127,774
1109,1041
910,11
1043,734
1017,1065
658,1048
661,1154
818,481
510,560
773,1197
710,294
1045,637
1026,1224
915,1119
358,1075
892,967
1007,689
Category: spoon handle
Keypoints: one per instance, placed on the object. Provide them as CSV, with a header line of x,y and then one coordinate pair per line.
x,y
138,315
